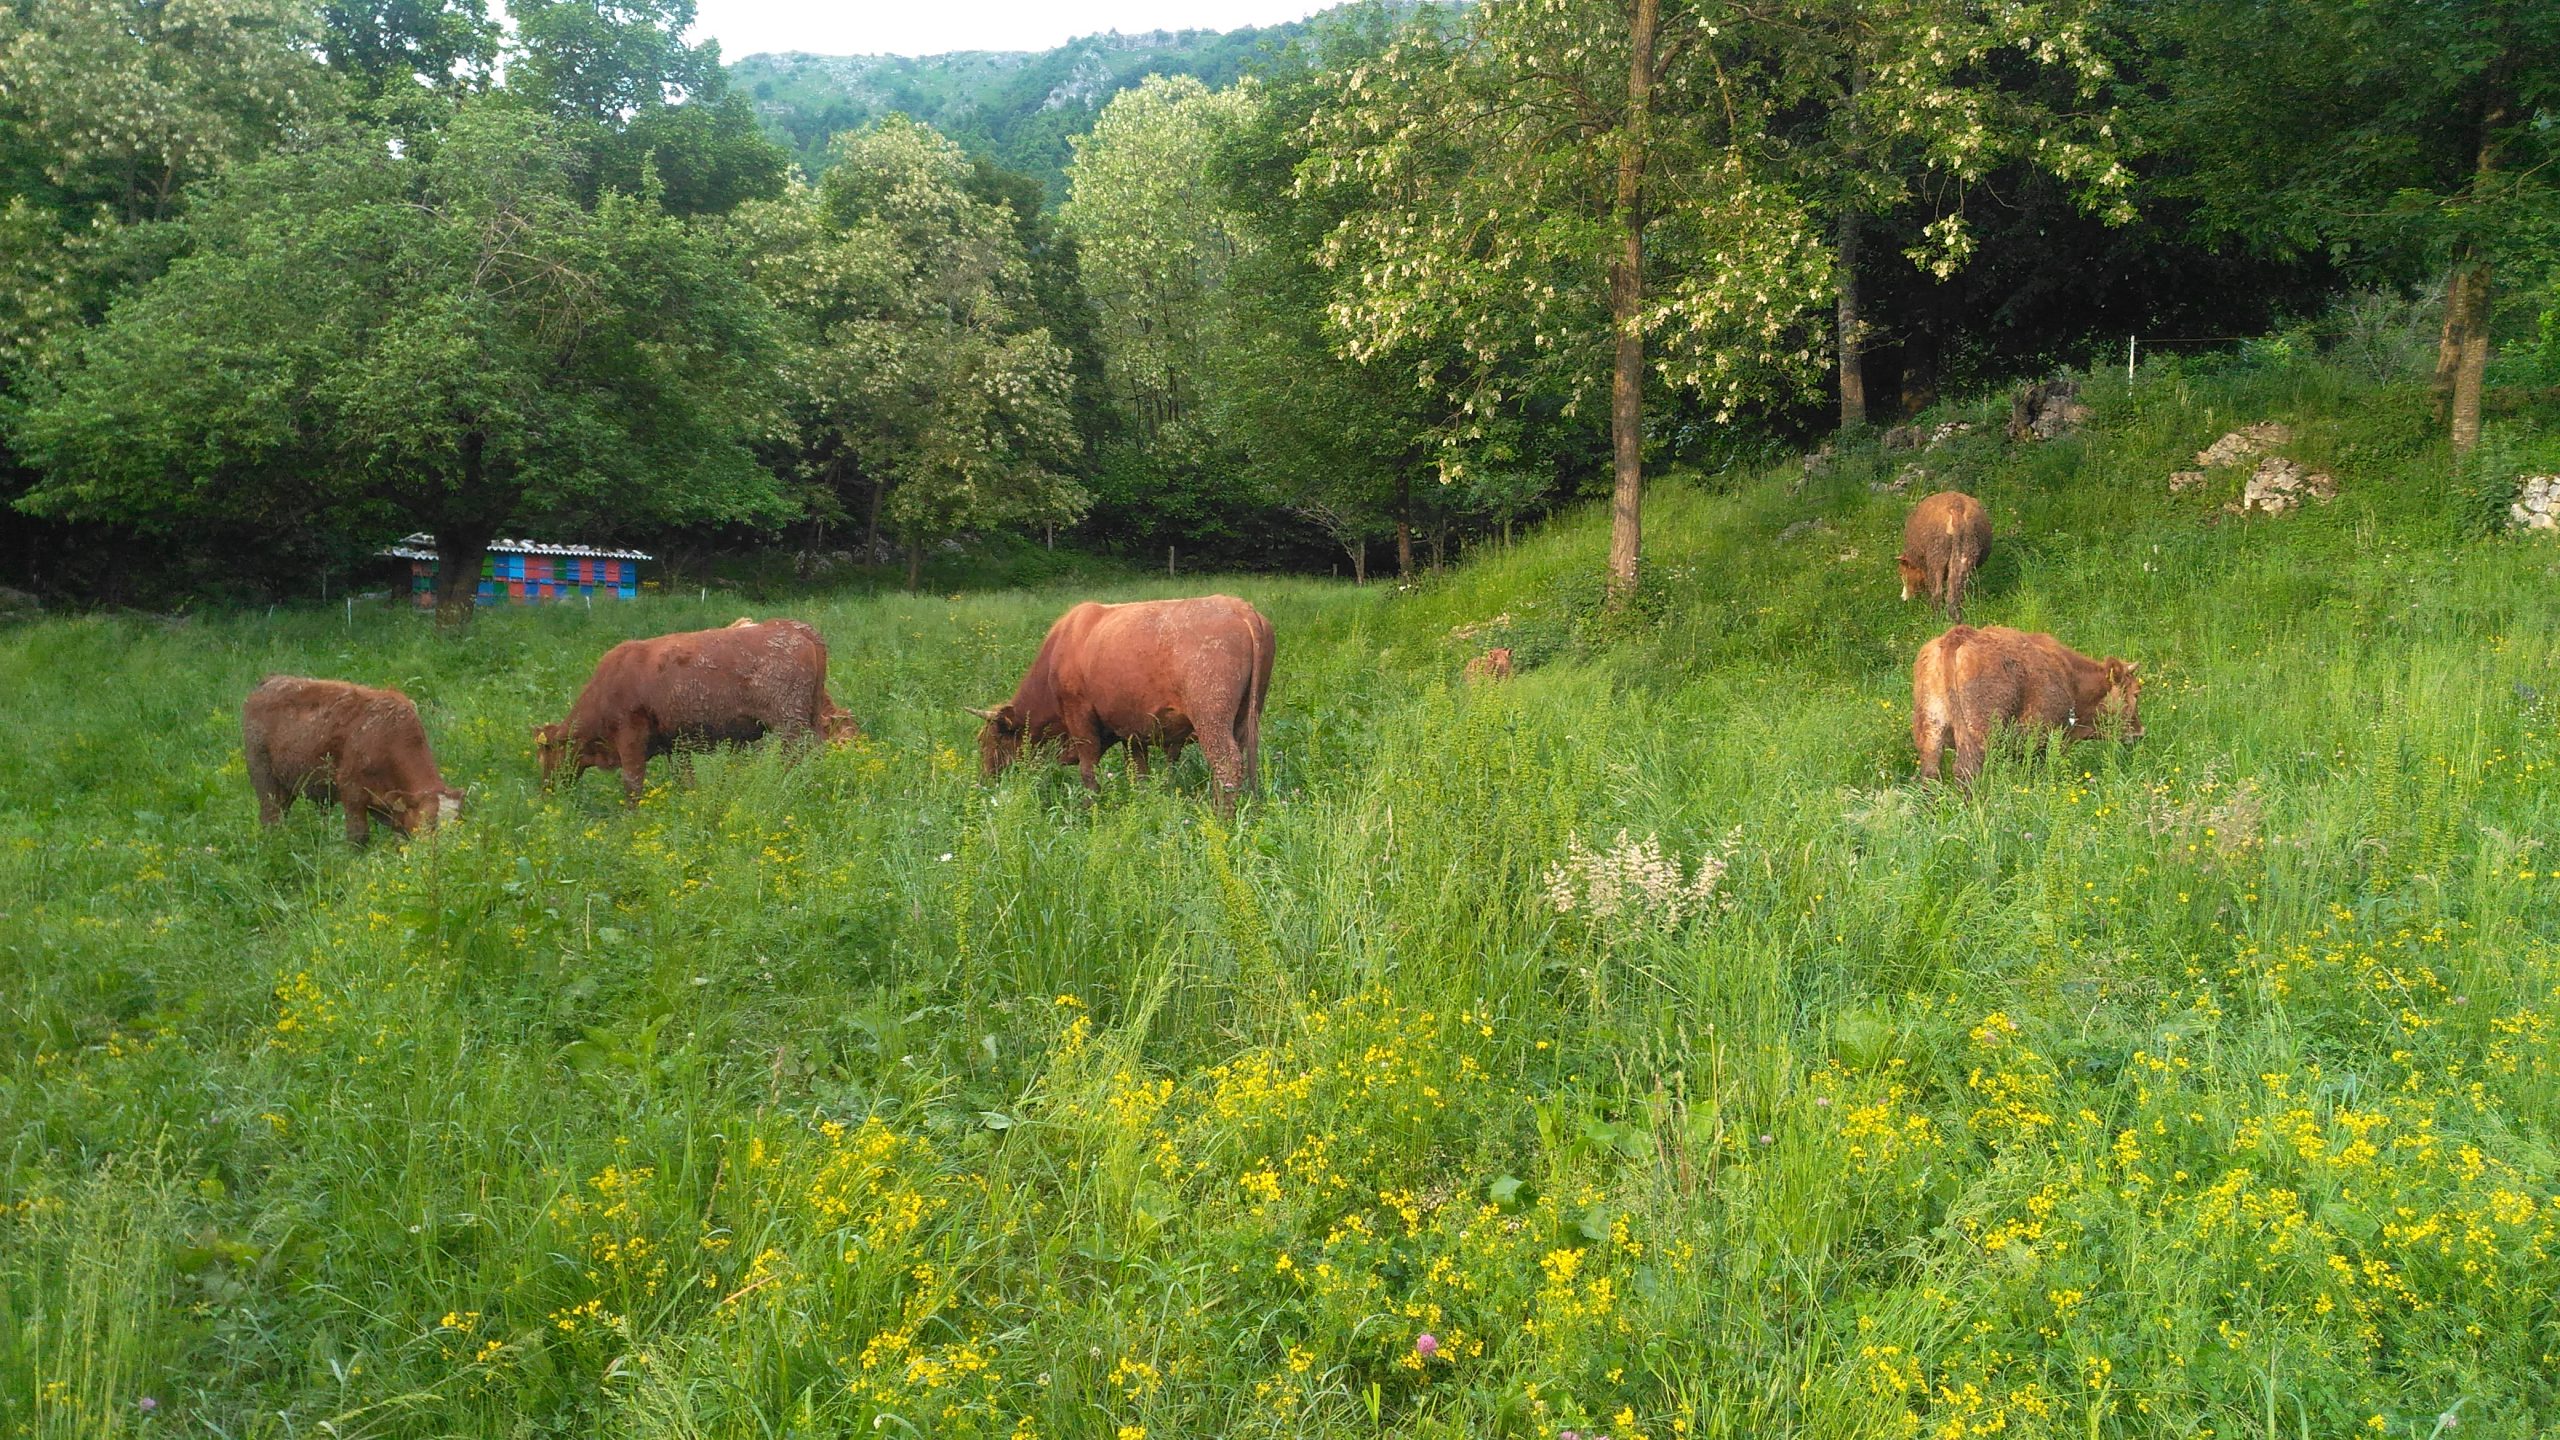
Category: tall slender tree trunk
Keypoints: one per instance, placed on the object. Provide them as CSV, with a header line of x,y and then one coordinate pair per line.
x,y
1853,331
1404,528
2449,341
915,563
2467,305
2471,363
1359,562
871,535
1626,314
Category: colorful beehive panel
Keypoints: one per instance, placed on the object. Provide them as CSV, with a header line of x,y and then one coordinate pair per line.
x,y
526,572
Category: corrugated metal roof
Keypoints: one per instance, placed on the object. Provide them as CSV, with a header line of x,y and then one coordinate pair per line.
x,y
422,546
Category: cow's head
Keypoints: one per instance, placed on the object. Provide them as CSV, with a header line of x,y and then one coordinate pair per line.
x,y
1498,660
1914,579
1000,739
836,726
552,743
2119,710
424,810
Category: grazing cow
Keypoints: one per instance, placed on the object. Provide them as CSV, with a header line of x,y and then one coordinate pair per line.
x,y
1158,672
1967,681
692,691
1494,664
327,740
1943,543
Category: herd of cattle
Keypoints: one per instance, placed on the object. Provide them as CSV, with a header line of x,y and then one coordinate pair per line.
x,y
1156,674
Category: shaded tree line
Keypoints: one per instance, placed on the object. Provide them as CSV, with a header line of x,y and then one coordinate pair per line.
x,y
281,279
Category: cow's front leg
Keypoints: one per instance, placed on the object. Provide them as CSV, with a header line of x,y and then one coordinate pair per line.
x,y
359,825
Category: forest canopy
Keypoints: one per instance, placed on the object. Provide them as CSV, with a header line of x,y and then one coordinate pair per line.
x,y
1399,277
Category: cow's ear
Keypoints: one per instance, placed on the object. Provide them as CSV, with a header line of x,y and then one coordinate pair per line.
x,y
1007,719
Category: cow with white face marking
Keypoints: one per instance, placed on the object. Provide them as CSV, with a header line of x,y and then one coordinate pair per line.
x,y
330,741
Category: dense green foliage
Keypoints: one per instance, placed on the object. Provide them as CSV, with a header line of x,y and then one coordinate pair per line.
x,y
438,337
2144,1090
919,376
1301,292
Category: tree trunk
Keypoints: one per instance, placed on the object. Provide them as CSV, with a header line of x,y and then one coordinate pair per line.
x,y
2457,282
1626,315
1853,331
915,563
2472,363
1359,562
2467,302
1404,528
462,541
459,552
871,535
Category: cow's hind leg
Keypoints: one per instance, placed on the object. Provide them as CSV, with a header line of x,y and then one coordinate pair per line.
x,y
273,799
1929,737
1972,742
1226,768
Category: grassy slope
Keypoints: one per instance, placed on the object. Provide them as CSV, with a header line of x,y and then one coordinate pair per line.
x,y
2206,1086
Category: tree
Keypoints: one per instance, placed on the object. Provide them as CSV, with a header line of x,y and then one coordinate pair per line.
x,y
640,101
1154,241
2398,134
1572,189
1949,90
911,365
109,110
1341,443
371,336
388,47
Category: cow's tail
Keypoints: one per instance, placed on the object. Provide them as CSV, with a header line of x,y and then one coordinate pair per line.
x,y
1249,722
1954,565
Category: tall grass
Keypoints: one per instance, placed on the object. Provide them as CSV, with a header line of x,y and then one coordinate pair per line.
x,y
2201,1086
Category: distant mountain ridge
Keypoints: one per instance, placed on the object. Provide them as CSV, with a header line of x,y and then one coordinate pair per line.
x,y
1018,108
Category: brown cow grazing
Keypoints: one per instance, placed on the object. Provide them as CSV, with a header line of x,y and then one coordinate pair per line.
x,y
1494,664
692,691
1158,672
327,740
1943,543
1967,681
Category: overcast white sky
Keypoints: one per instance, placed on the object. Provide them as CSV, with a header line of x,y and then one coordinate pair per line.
x,y
930,27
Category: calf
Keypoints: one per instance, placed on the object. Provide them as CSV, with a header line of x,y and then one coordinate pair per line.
x,y
692,691
327,740
1494,664
1968,681
1946,539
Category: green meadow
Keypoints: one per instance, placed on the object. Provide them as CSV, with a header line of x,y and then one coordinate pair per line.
x,y
1639,1032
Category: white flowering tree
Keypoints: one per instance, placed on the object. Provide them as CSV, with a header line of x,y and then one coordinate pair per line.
x,y
1569,192
1938,94
109,110
1155,239
913,367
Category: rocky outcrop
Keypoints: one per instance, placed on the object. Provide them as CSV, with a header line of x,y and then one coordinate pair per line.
x,y
2537,503
2046,410
2280,485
